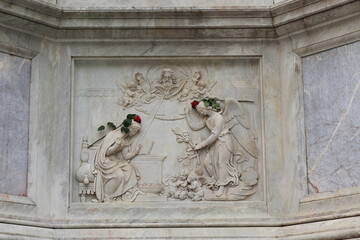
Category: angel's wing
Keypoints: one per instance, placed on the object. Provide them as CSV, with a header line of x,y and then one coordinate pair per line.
x,y
238,121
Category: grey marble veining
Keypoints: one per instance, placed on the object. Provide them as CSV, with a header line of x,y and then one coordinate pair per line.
x,y
14,121
332,99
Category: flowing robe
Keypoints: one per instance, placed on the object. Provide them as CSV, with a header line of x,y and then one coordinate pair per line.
x,y
115,177
219,155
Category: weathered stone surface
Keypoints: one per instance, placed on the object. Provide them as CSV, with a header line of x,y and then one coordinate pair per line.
x,y
80,52
331,87
170,3
14,123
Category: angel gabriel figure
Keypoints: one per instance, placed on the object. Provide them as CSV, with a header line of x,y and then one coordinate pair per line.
x,y
232,139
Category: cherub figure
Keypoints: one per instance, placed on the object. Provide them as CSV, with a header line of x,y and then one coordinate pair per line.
x,y
189,87
200,89
143,86
129,94
196,193
182,184
170,186
144,89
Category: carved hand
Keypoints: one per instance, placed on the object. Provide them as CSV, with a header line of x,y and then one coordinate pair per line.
x,y
118,141
198,146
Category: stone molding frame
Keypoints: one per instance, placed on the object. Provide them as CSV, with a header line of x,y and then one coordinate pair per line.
x,y
74,160
322,202
30,199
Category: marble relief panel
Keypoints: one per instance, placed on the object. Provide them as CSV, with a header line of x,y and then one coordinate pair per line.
x,y
166,156
14,123
332,118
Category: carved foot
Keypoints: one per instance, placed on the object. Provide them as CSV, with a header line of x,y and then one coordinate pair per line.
x,y
220,192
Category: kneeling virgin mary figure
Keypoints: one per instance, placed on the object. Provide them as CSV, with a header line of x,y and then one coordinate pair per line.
x,y
115,178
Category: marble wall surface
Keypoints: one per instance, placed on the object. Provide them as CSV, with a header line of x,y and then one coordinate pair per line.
x,y
331,92
14,123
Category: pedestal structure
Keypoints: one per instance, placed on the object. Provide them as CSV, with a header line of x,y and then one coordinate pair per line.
x,y
248,119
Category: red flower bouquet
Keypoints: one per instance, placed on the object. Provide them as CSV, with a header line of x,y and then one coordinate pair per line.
x,y
137,119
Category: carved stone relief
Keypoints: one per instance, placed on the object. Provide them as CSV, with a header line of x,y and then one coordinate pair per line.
x,y
180,83
231,142
221,157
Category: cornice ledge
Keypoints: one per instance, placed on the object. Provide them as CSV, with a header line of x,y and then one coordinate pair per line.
x,y
306,7
299,9
282,18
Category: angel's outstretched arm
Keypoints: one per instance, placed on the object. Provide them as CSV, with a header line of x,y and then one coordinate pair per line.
x,y
215,133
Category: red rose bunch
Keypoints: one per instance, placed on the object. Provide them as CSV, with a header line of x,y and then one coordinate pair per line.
x,y
137,119
127,122
194,104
